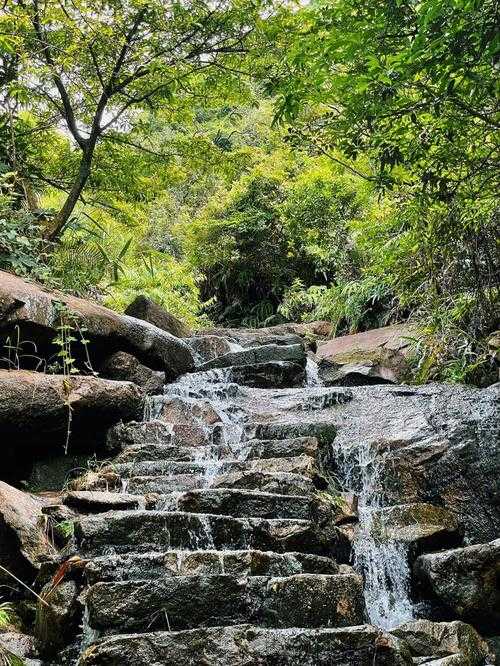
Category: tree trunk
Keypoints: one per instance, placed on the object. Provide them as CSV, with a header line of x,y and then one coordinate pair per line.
x,y
64,214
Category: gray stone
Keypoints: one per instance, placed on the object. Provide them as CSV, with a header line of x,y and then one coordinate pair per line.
x,y
274,374
256,355
464,581
443,639
125,367
421,526
143,531
149,566
305,600
248,646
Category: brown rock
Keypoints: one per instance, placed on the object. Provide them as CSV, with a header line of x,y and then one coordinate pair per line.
x,y
37,411
23,541
147,310
125,367
378,356
29,313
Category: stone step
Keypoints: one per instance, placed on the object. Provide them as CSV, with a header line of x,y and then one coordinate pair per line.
x,y
239,503
277,375
145,531
275,482
247,645
278,448
253,356
248,450
94,501
186,602
155,452
147,566
303,465
323,431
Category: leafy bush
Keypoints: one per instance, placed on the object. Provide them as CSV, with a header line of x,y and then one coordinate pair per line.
x,y
350,306
288,219
23,249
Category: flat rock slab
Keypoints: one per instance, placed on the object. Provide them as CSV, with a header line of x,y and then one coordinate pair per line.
x,y
148,566
94,501
245,503
298,465
251,646
282,483
304,600
279,448
255,355
143,531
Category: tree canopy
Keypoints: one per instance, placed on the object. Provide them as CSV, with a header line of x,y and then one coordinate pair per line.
x,y
252,161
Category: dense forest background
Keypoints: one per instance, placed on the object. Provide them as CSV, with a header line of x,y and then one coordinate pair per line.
x,y
247,162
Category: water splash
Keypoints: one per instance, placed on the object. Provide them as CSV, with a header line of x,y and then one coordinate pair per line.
x,y
382,561
312,374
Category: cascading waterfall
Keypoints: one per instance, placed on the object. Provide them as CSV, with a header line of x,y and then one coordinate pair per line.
x,y
382,560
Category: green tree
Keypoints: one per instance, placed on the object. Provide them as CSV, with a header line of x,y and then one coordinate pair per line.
x,y
93,65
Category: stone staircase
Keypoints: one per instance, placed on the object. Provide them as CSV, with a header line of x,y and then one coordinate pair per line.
x,y
211,537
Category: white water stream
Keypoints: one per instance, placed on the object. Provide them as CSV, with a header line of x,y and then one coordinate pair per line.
x,y
382,560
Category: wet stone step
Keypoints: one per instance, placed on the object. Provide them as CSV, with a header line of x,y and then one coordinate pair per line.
x,y
257,355
149,566
186,602
278,448
278,374
93,501
298,465
160,433
324,431
153,452
144,531
240,503
247,645
281,483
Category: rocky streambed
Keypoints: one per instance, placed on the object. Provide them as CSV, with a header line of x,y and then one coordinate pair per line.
x,y
254,516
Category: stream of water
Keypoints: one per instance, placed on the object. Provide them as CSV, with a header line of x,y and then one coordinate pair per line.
x,y
382,560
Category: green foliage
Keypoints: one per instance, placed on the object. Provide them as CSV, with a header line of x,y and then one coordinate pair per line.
x,y
350,306
23,249
287,219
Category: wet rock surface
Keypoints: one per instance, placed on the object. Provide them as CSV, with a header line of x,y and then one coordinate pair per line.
x,y
255,517
464,582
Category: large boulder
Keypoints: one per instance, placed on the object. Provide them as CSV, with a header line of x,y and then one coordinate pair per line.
x,y
464,582
378,356
144,308
443,639
23,540
37,412
30,316
438,444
